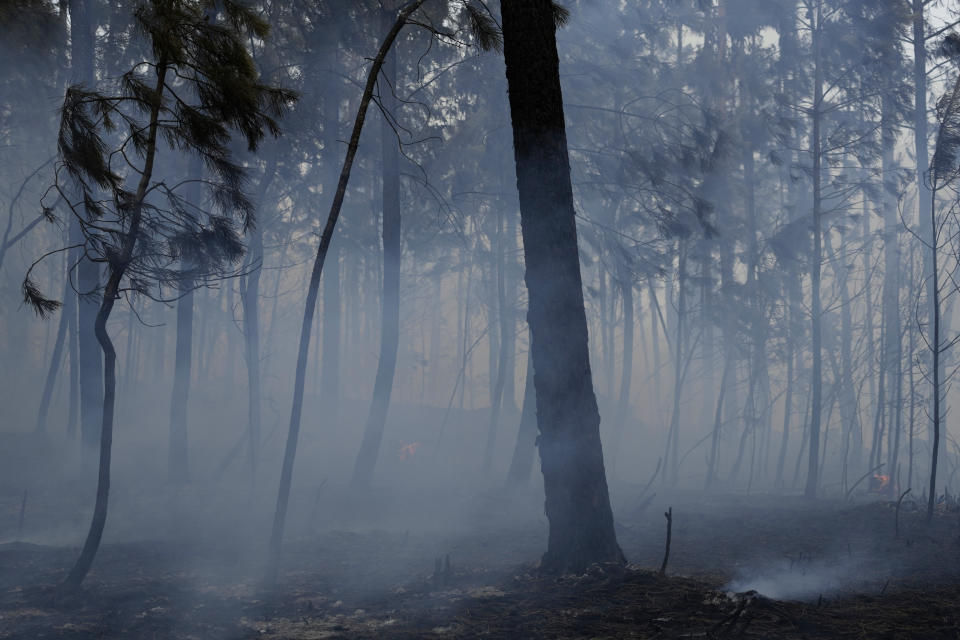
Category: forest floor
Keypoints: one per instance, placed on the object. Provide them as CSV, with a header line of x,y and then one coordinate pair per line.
x,y
741,566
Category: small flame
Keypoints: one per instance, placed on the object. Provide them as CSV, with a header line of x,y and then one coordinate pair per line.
x,y
879,483
406,451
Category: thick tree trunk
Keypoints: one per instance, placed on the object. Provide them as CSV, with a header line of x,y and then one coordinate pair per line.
x,y
390,307
571,456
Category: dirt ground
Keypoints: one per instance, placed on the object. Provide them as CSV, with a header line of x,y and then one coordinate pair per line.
x,y
741,566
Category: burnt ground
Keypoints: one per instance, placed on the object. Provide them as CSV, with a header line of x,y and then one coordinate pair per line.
x,y
757,566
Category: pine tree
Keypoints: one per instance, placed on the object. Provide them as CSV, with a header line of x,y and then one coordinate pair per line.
x,y
196,86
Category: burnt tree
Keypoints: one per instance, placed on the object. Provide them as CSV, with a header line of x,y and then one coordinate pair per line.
x,y
571,456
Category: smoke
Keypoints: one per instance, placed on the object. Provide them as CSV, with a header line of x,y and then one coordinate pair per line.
x,y
798,578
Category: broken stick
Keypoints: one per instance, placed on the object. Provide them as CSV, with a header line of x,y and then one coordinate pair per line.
x,y
668,514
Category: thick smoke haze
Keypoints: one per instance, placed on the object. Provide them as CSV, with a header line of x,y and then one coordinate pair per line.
x,y
765,197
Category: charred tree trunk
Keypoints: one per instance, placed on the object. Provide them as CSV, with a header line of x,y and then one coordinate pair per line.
x,y
571,456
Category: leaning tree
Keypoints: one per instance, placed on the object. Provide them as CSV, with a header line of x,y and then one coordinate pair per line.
x,y
196,85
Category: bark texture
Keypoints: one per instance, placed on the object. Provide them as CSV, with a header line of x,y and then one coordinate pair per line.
x,y
571,456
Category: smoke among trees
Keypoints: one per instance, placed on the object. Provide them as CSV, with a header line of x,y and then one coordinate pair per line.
x,y
528,270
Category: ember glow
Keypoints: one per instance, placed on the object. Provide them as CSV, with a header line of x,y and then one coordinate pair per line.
x,y
879,483
406,451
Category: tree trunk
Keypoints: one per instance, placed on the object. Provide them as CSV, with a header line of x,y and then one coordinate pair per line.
x,y
330,370
178,470
290,450
88,272
504,343
571,456
73,408
718,423
891,285
671,455
118,265
250,300
56,359
390,307
813,472
626,375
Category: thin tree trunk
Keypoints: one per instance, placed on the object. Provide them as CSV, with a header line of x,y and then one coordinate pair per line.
x,y
502,373
118,266
286,474
56,362
787,411
626,375
73,408
178,468
718,423
521,465
892,348
813,472
330,370
673,439
250,300
88,272
390,307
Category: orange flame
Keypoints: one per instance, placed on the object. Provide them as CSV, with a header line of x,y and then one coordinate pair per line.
x,y
879,483
406,451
